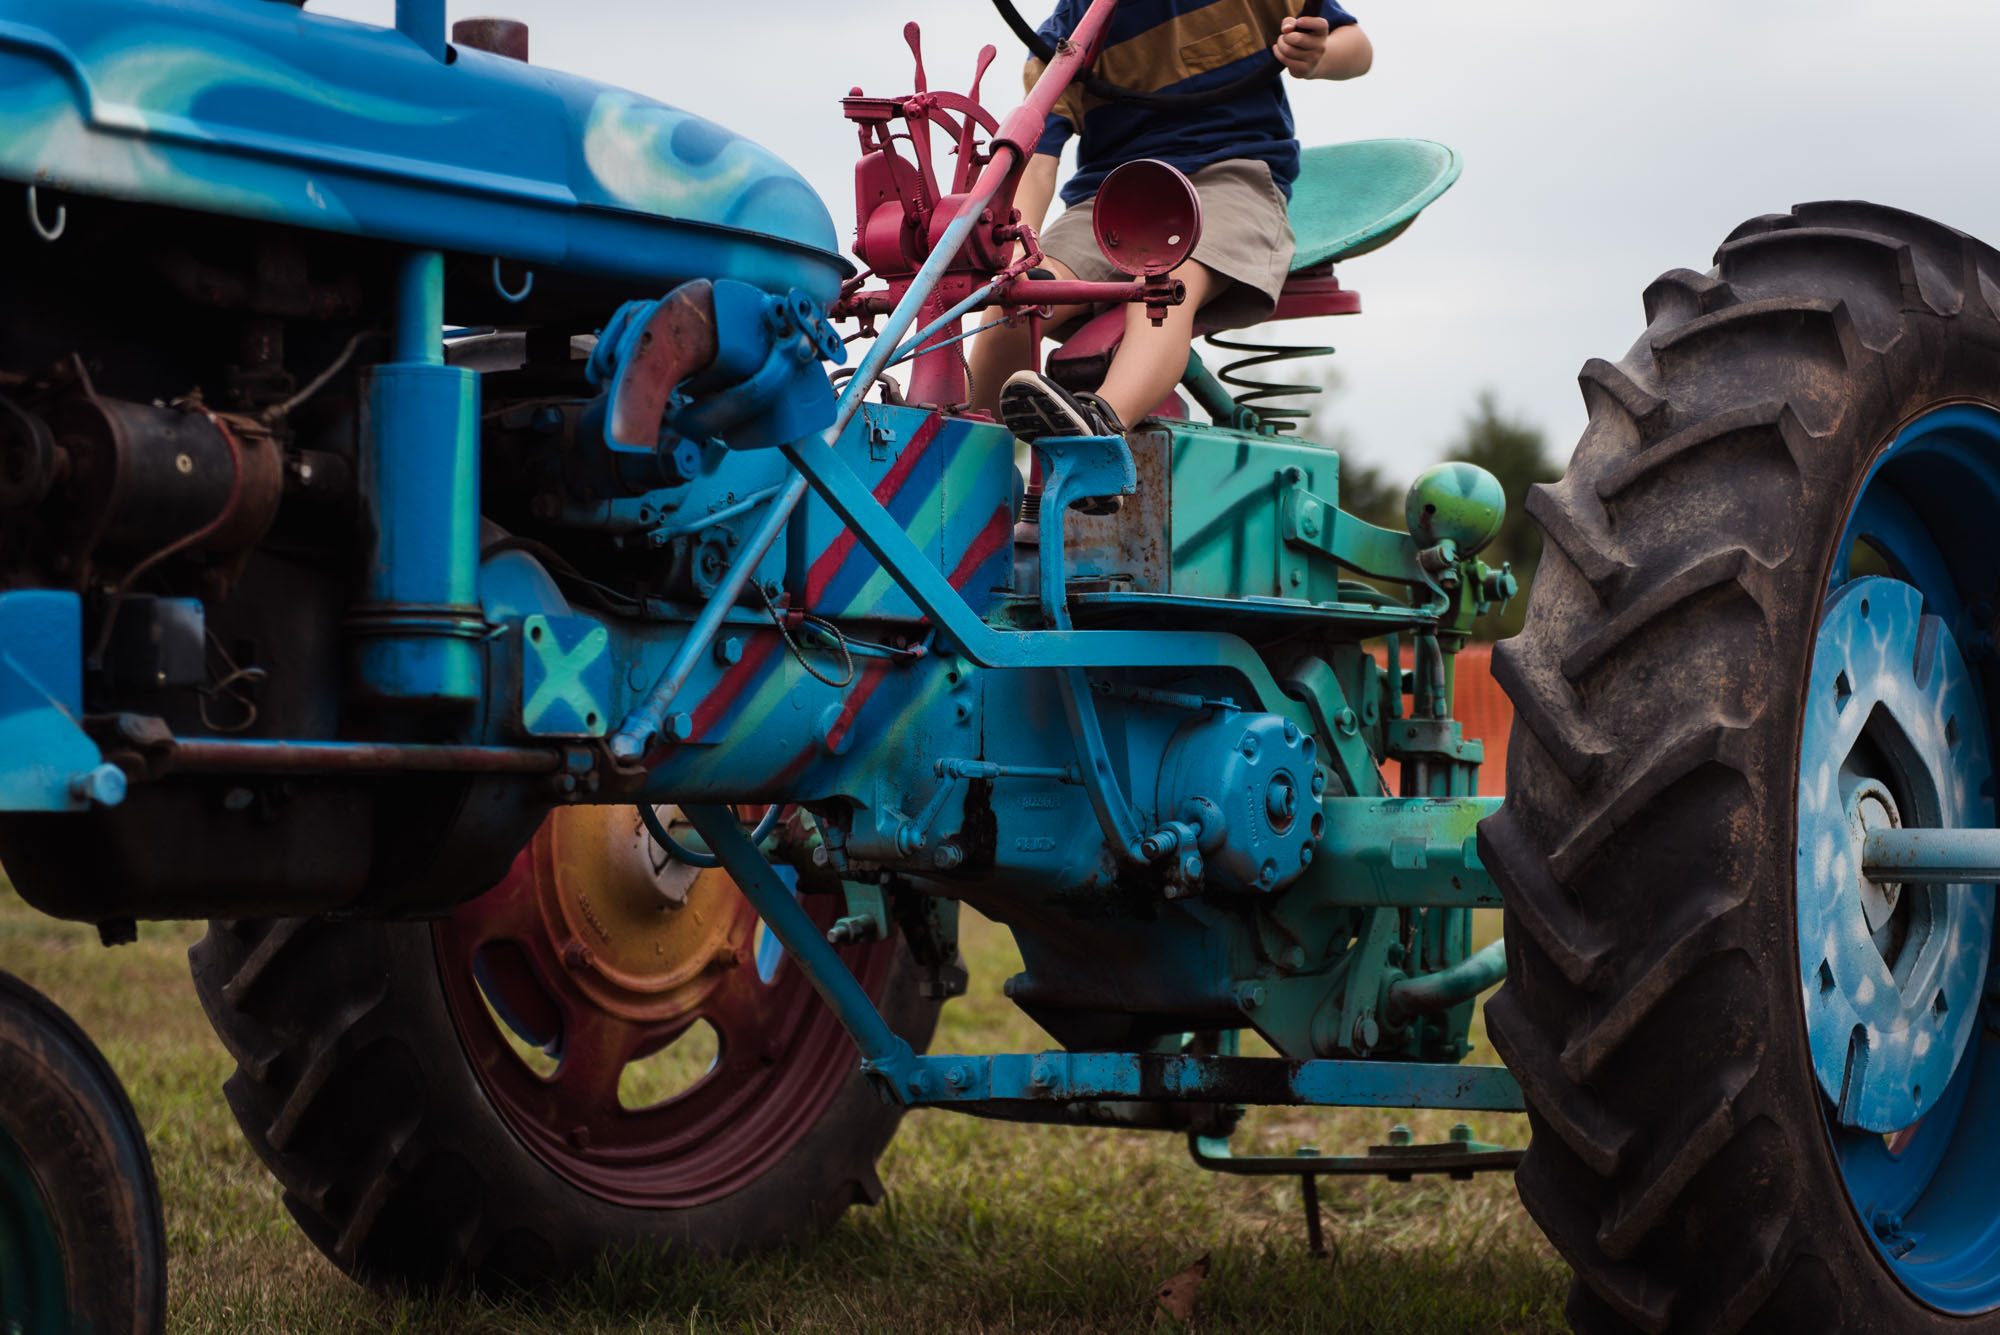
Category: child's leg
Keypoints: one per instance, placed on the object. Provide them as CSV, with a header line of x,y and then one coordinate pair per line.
x,y
1150,360
998,353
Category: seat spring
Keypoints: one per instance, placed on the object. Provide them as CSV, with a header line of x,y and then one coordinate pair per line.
x,y
1254,391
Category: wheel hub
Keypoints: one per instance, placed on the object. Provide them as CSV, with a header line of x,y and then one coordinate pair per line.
x,y
646,935
1892,973
1871,806
603,953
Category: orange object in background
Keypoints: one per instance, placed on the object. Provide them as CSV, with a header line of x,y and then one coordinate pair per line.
x,y
1484,711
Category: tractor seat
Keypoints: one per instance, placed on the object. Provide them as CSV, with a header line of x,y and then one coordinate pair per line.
x,y
1349,199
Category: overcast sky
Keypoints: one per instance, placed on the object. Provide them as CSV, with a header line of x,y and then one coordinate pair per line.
x,y
1603,143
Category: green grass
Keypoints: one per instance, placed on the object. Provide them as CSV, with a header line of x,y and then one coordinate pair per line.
x,y
987,1226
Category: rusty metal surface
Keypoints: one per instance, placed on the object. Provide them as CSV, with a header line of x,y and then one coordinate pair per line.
x,y
502,37
677,340
357,757
1133,543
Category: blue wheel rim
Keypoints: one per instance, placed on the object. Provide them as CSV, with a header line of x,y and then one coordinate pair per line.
x,y
1919,550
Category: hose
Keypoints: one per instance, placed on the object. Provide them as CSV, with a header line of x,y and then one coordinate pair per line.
x,y
679,852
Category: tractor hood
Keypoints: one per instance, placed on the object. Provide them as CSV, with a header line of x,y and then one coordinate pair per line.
x,y
264,110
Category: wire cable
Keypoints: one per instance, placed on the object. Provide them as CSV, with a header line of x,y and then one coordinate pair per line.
x,y
681,853
824,627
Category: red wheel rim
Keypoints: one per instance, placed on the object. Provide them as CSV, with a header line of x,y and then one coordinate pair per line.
x,y
581,950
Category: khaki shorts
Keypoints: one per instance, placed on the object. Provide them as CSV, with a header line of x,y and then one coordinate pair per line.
x,y
1245,237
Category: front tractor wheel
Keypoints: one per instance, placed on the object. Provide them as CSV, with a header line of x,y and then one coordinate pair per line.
x,y
1765,1088
606,1051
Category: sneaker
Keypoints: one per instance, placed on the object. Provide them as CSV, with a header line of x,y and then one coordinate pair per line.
x,y
1033,406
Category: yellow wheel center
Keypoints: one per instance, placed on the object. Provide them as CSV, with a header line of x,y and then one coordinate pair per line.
x,y
646,935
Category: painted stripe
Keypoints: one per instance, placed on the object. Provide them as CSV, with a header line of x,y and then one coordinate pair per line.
x,y
872,592
757,660
918,509
871,677
835,556
984,547
886,733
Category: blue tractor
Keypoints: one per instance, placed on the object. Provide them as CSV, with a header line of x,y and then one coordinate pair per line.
x,y
442,544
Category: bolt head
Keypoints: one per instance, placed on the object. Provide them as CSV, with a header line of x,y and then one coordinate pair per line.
x,y
103,785
1281,800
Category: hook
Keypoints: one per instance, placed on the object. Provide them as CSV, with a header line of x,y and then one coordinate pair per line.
x,y
500,286
42,229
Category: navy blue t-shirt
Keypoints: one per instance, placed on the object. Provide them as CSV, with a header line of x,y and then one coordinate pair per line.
x,y
1177,46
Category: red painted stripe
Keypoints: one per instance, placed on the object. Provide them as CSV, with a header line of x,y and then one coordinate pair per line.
x,y
836,553
734,682
871,676
990,540
796,766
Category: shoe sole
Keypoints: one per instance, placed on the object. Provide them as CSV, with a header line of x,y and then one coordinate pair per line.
x,y
1032,411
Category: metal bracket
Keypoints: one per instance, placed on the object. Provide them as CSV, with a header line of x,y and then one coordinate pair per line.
x,y
1070,1077
1075,468
1317,525
1399,1161
867,917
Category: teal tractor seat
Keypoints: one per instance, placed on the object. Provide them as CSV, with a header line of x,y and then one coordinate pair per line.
x,y
1348,199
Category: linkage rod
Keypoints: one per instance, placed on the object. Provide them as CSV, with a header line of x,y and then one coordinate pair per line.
x,y
1932,857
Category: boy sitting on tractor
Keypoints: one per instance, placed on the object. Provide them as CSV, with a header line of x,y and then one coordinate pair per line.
x,y
1241,155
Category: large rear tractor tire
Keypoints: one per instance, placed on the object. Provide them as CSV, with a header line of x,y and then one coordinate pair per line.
x,y
1765,1091
82,1243
483,1098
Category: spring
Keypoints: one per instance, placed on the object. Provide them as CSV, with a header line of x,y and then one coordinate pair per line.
x,y
1253,392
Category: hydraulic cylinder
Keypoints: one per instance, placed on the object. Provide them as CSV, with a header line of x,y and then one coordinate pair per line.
x,y
418,626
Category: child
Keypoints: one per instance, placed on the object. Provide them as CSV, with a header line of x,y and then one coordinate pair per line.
x,y
1240,154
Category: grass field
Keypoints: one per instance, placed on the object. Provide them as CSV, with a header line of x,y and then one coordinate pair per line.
x,y
987,1226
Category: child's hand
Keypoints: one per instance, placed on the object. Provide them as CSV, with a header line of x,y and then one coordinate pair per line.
x,y
1301,45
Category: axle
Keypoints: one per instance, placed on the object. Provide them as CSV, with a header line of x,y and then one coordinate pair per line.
x,y
1932,857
